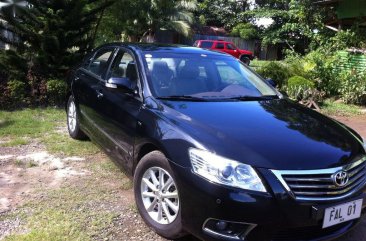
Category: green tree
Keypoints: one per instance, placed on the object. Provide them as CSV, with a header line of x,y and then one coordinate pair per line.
x,y
143,18
296,22
50,35
245,31
222,13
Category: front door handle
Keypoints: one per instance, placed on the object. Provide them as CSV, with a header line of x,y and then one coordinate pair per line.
x,y
99,94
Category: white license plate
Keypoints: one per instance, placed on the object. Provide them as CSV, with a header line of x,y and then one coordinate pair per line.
x,y
342,213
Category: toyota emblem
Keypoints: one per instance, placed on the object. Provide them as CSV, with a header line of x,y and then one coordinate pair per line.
x,y
340,178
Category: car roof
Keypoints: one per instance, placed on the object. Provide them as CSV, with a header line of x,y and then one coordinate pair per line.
x,y
216,40
158,47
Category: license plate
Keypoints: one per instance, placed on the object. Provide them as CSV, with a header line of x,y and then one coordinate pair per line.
x,y
342,213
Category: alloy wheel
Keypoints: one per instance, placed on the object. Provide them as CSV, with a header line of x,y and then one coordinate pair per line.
x,y
71,120
160,195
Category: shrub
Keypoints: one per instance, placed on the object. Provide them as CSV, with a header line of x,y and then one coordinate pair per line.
x,y
56,91
300,66
353,87
275,71
298,87
17,91
325,72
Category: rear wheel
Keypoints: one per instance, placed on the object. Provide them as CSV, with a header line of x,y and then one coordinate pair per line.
x,y
73,124
157,196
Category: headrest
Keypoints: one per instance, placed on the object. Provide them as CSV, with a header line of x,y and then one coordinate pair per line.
x,y
189,71
131,71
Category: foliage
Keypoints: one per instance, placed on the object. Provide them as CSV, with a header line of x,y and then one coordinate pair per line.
x,y
353,87
295,22
325,72
298,87
47,39
245,31
17,90
222,13
300,66
56,91
276,71
142,18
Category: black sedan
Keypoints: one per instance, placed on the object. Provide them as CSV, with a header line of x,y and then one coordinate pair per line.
x,y
213,149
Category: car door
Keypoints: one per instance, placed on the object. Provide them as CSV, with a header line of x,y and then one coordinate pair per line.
x,y
87,91
219,46
232,50
121,108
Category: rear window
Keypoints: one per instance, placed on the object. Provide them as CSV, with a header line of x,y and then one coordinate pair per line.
x,y
206,44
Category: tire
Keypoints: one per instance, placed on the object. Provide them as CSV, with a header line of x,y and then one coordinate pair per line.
x,y
170,225
73,124
245,60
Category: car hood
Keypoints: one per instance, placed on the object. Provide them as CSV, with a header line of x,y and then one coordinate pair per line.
x,y
242,51
276,134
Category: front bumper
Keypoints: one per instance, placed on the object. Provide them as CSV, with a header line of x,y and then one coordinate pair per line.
x,y
266,216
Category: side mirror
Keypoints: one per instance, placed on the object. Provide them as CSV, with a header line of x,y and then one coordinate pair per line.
x,y
272,82
121,83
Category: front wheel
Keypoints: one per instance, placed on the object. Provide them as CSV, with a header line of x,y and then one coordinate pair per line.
x,y
157,195
245,60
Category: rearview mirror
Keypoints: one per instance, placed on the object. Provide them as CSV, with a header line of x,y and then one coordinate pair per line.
x,y
271,82
120,83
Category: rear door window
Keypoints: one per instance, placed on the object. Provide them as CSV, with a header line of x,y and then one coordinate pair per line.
x,y
99,64
220,45
206,44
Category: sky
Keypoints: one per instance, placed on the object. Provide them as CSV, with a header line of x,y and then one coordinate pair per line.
x,y
265,22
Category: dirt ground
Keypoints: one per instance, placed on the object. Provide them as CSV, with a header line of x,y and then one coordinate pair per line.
x,y
90,189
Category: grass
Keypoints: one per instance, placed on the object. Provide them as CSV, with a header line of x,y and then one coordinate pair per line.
x,y
29,122
61,143
70,213
332,108
15,142
78,210
21,126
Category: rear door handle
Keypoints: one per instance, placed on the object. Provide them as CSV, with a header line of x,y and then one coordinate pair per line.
x,y
99,94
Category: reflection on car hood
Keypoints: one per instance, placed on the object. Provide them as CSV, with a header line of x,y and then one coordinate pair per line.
x,y
276,134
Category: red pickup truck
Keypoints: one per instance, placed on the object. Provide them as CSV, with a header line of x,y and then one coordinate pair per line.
x,y
226,47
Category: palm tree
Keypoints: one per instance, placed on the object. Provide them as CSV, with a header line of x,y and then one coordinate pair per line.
x,y
175,15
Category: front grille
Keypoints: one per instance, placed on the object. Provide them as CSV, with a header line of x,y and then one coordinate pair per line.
x,y
321,184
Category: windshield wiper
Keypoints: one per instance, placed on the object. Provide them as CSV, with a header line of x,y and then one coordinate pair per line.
x,y
181,97
248,97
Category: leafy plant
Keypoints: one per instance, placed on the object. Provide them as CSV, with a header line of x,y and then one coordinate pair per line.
x,y
276,71
325,72
298,87
56,91
17,90
353,87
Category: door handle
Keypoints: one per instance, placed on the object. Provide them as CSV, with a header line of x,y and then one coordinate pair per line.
x,y
99,94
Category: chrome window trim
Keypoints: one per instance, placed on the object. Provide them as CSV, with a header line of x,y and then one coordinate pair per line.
x,y
330,171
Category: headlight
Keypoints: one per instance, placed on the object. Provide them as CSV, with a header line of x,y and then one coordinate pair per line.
x,y
224,171
364,143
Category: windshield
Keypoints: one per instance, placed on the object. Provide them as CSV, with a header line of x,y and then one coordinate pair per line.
x,y
202,76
